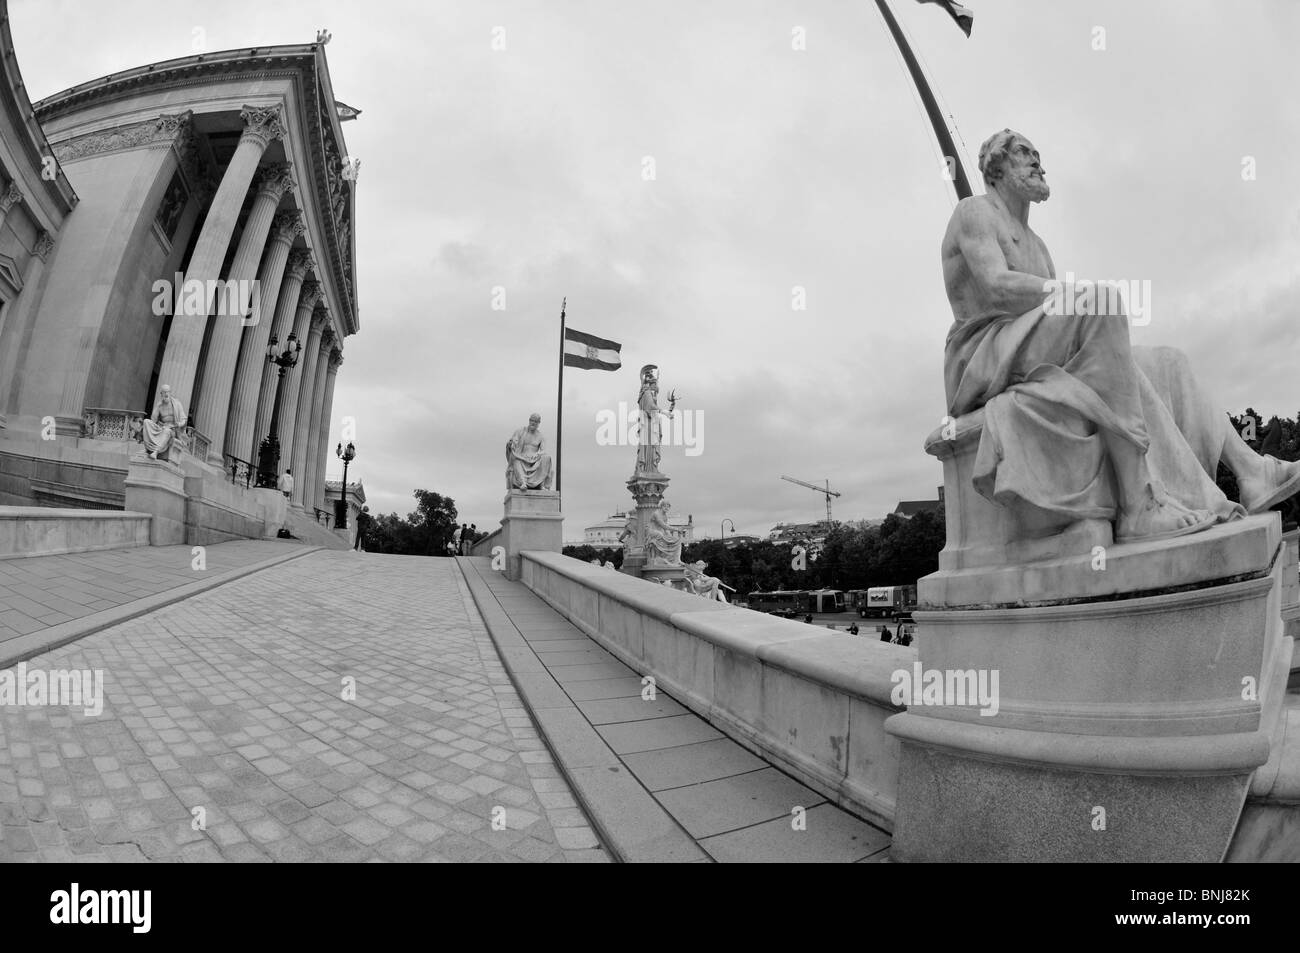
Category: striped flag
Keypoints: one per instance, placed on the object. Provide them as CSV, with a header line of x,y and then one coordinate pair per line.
x,y
590,352
965,19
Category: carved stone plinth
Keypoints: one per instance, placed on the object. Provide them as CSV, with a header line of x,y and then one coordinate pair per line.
x,y
157,487
1137,700
647,490
532,522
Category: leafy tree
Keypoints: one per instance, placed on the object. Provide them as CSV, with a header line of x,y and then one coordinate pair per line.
x,y
424,532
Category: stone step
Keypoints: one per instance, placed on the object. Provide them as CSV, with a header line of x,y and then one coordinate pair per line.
x,y
48,531
309,531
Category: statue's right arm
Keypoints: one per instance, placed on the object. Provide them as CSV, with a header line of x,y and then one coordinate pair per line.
x,y
1012,292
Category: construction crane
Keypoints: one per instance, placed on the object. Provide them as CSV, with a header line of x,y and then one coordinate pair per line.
x,y
820,489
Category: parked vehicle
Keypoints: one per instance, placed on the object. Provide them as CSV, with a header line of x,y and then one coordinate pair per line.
x,y
826,600
788,604
888,602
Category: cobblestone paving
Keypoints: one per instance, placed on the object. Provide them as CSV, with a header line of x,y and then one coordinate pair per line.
x,y
232,702
41,591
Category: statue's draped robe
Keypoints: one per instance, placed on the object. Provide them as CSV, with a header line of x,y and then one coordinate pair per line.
x,y
529,469
159,430
1049,384
663,542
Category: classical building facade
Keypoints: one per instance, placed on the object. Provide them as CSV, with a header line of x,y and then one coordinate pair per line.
x,y
131,207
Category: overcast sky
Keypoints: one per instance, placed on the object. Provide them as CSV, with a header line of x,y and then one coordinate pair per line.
x,y
523,169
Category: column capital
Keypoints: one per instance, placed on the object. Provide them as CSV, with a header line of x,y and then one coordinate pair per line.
x,y
336,360
12,196
311,290
320,319
261,124
274,180
326,339
44,243
288,225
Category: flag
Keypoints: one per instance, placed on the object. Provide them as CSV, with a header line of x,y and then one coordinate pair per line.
x,y
590,352
965,19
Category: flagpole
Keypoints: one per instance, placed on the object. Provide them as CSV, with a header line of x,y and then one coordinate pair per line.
x,y
559,402
946,144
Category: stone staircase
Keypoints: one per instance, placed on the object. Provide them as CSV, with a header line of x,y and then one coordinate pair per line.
x,y
49,531
307,530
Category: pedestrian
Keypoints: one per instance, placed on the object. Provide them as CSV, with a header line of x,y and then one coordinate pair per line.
x,y
285,483
884,634
363,526
853,628
473,538
457,538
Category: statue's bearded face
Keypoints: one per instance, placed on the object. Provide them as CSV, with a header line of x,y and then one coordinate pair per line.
x,y
1023,171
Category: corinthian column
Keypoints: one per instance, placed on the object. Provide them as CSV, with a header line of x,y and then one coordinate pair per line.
x,y
317,464
252,350
224,347
184,342
306,399
310,491
307,303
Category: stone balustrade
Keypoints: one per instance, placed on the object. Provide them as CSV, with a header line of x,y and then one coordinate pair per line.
x,y
810,700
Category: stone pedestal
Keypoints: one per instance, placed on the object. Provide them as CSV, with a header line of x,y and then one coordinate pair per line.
x,y
157,487
647,490
1138,690
532,521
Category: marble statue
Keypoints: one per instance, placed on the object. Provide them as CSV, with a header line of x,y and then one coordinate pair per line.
x,y
627,538
663,542
528,465
158,433
1078,423
649,432
703,584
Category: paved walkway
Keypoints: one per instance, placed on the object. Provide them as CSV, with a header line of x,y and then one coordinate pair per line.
x,y
236,702
42,591
662,783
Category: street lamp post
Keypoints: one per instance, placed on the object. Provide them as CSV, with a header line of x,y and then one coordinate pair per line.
x,y
722,528
347,454
268,454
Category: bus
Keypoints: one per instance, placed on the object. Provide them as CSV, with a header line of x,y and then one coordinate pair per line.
x,y
889,602
782,602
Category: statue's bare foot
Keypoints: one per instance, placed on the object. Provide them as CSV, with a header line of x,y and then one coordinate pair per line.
x,y
1278,480
1160,518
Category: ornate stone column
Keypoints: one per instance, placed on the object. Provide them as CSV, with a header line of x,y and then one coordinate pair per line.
x,y
252,349
336,360
224,347
323,431
14,325
181,359
308,300
309,497
306,392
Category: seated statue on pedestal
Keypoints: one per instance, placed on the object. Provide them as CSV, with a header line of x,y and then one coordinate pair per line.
x,y
528,466
1078,423
159,430
663,542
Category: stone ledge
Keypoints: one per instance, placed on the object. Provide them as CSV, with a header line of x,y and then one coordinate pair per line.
x,y
810,701
1209,755
1228,552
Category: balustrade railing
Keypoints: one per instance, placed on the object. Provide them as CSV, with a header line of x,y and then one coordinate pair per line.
x,y
127,426
241,471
